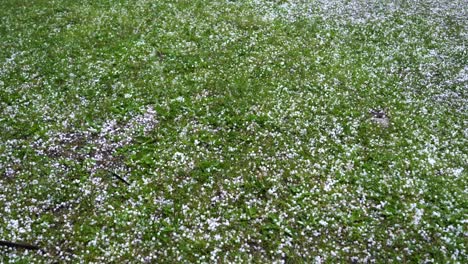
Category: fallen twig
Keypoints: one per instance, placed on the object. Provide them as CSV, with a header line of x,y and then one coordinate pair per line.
x,y
18,245
118,177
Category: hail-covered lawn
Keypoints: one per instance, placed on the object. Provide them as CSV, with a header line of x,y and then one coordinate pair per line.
x,y
234,131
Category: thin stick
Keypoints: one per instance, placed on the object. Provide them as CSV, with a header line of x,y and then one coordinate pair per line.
x,y
120,178
18,245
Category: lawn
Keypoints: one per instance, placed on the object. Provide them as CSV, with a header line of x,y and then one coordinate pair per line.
x,y
234,131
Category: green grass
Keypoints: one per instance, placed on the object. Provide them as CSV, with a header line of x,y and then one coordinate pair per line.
x,y
244,128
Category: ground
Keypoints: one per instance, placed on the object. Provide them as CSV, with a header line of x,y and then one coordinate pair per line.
x,y
234,131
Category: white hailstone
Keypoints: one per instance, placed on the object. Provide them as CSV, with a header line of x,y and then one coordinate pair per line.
x,y
212,224
457,172
127,95
431,161
318,260
323,223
